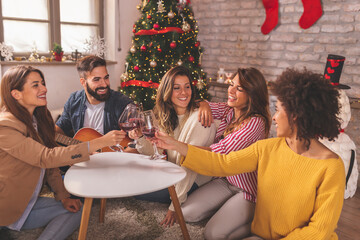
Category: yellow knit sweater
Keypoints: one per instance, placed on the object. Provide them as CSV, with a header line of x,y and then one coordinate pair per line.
x,y
298,197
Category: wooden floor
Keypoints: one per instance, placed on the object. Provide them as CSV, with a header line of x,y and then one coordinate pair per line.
x,y
349,223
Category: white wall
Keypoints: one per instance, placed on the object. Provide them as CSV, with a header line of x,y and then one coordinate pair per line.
x,y
61,80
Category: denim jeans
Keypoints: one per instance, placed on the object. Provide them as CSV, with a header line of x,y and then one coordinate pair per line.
x,y
59,222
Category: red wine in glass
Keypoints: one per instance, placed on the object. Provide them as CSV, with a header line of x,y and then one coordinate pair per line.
x,y
149,132
127,126
136,121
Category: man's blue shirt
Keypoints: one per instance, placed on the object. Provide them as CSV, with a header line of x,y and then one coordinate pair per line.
x,y
72,119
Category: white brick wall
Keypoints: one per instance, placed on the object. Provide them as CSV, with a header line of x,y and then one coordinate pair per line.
x,y
229,31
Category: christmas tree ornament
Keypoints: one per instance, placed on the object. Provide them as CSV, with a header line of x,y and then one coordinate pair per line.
x,y
143,48
150,44
153,97
150,81
134,31
161,7
159,50
133,49
191,58
173,44
156,26
153,63
185,26
191,17
179,63
197,44
171,14
124,77
136,68
200,84
272,15
148,17
138,7
143,22
312,12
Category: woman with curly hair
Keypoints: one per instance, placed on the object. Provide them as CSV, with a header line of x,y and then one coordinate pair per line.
x,y
300,181
177,114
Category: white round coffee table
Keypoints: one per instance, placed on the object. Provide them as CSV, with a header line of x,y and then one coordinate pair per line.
x,y
117,174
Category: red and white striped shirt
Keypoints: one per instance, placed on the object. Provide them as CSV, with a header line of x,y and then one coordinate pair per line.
x,y
249,133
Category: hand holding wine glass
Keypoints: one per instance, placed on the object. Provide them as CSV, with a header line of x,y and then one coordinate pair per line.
x,y
130,119
149,126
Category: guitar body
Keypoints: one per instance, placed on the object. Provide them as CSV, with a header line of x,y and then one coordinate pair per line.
x,y
88,134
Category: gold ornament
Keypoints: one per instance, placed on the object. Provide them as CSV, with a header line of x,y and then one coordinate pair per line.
x,y
185,26
138,7
133,49
200,84
153,63
171,14
191,17
143,22
124,77
179,63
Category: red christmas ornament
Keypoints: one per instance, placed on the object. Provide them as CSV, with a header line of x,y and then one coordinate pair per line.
x,y
134,31
148,16
197,44
143,48
173,44
191,58
156,26
159,50
136,68
150,82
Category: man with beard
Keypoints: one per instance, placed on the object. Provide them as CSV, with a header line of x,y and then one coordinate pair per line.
x,y
96,106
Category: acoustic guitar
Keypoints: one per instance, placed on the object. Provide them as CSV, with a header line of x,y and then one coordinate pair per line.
x,y
86,134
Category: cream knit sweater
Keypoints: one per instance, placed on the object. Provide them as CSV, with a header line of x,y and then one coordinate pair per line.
x,y
189,131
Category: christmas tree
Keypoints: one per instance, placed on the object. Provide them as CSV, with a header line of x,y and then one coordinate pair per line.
x,y
164,36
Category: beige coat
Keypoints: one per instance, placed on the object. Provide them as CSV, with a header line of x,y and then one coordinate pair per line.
x,y
21,160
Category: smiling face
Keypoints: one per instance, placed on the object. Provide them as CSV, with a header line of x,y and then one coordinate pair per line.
x,y
97,85
237,97
33,93
281,120
181,94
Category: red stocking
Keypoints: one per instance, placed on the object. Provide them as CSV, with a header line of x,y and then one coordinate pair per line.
x,y
272,15
312,12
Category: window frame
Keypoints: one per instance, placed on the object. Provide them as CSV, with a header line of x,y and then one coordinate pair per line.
x,y
54,24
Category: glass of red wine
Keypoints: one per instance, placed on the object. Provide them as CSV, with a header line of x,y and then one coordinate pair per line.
x,y
149,126
130,119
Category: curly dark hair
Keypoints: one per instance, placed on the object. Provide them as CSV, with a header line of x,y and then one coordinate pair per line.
x,y
310,102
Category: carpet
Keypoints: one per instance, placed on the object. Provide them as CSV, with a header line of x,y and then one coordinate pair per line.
x,y
125,218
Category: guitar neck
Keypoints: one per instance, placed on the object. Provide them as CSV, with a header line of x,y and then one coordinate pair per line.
x,y
65,140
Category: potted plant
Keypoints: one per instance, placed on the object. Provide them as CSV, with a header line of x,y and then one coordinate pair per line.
x,y
58,52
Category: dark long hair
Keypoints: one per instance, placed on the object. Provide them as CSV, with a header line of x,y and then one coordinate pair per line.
x,y
164,109
253,83
15,78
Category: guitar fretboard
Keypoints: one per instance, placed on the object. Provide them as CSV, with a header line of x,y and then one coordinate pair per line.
x,y
65,140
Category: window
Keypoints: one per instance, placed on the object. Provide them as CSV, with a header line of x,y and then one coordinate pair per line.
x,y
27,24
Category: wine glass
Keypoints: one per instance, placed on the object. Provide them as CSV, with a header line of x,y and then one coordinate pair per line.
x,y
149,126
130,119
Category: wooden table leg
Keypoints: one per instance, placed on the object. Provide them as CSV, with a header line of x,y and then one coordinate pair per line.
x,y
85,218
102,210
178,212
